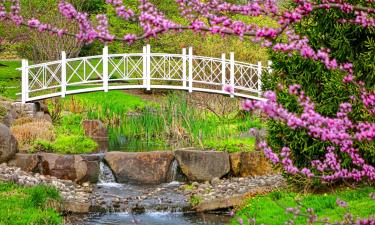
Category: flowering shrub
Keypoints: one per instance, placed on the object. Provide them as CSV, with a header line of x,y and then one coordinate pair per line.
x,y
338,131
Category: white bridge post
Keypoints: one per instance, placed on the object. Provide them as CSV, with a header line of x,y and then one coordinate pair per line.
x,y
63,74
148,67
190,69
223,71
232,73
260,78
184,67
144,69
25,81
105,68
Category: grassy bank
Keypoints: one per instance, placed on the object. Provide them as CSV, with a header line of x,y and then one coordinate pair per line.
x,y
10,79
168,122
270,209
21,205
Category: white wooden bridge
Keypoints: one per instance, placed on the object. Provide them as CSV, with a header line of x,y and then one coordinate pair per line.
x,y
141,70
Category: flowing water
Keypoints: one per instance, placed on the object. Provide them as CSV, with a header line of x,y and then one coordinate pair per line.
x,y
155,218
144,204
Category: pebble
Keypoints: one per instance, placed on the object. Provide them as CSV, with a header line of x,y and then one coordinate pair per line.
x,y
234,186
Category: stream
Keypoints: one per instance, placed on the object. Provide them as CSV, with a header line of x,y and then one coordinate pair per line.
x,y
143,204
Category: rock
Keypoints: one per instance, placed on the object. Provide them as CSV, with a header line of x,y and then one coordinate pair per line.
x,y
140,167
76,207
250,164
203,165
221,203
7,114
235,163
28,109
96,130
43,116
27,162
69,167
8,144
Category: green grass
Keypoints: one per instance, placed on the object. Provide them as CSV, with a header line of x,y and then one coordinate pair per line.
x,y
269,212
10,77
21,205
9,70
231,144
72,144
168,124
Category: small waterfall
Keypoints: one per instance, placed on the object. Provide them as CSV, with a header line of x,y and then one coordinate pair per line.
x,y
173,173
105,175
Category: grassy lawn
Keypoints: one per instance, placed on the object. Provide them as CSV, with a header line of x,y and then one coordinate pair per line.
x,y
10,77
21,205
269,212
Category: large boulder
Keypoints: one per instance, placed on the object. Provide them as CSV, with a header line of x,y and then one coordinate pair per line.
x,y
77,168
140,167
27,162
8,144
245,164
203,165
7,113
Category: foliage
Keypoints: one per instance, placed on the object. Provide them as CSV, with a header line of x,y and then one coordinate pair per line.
x,y
30,131
195,200
323,86
10,79
180,123
71,144
231,144
21,205
270,209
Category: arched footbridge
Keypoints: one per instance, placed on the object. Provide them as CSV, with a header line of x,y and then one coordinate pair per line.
x,y
144,70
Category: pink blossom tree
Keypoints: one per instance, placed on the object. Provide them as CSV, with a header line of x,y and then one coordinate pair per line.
x,y
219,17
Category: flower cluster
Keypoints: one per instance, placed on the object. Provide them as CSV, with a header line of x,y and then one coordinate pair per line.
x,y
341,132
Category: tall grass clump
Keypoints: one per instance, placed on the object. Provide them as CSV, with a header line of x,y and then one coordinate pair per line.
x,y
27,131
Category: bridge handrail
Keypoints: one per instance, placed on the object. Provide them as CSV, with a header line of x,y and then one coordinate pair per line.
x,y
188,67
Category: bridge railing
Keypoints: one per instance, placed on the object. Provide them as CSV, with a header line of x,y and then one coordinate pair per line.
x,y
141,70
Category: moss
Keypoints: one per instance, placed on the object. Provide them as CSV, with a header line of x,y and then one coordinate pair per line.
x,y
195,200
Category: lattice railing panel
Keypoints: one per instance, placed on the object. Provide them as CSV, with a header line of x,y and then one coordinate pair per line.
x,y
207,70
44,77
245,76
134,67
84,70
166,67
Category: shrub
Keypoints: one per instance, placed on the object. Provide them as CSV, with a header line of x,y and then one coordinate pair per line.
x,y
73,144
27,133
323,86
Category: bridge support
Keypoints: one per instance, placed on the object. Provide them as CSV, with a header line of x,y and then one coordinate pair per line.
x,y
190,69
184,67
259,79
148,68
25,81
63,74
231,61
105,68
